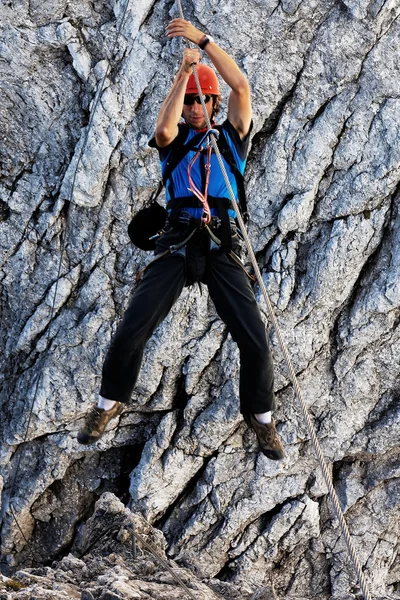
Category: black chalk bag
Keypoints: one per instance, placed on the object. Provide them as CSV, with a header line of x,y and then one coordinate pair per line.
x,y
147,223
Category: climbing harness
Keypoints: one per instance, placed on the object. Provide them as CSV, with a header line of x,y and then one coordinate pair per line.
x,y
231,253
202,147
148,223
310,427
171,250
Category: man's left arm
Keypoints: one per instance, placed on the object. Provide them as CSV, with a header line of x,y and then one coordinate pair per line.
x,y
239,104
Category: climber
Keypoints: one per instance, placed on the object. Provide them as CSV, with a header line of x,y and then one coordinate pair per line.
x,y
187,251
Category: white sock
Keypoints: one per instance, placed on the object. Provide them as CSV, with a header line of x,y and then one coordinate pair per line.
x,y
104,403
264,418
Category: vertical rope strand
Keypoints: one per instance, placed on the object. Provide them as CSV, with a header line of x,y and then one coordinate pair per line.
x,y
293,377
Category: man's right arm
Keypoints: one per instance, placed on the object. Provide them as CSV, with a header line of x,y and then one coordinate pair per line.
x,y
171,109
239,104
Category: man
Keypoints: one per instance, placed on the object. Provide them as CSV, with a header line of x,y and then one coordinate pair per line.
x,y
197,243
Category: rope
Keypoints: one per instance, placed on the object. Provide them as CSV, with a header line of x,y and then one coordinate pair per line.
x,y
311,430
206,217
62,251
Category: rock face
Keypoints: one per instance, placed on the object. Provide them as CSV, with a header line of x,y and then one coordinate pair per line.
x,y
323,193
107,565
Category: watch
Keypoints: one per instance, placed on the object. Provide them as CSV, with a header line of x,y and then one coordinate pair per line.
x,y
205,40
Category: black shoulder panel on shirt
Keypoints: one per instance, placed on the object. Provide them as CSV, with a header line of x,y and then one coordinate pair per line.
x,y
241,145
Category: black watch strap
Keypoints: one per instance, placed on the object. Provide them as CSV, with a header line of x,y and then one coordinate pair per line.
x,y
205,41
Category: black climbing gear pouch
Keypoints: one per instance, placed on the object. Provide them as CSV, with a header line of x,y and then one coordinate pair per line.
x,y
147,223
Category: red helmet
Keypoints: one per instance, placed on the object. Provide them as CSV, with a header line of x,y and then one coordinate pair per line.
x,y
208,81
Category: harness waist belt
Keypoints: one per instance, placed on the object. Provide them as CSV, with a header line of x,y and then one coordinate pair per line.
x,y
175,205
222,205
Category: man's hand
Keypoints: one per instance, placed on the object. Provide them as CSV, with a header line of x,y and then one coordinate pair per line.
x,y
239,104
190,56
183,28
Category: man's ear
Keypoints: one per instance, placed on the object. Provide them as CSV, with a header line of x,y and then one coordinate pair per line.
x,y
216,106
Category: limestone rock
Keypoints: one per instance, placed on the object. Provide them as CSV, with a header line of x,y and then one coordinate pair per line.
x,y
106,567
81,86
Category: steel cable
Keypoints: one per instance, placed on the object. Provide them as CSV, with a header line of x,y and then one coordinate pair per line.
x,y
310,427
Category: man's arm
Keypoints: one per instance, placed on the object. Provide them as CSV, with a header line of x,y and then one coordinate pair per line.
x,y
171,108
239,105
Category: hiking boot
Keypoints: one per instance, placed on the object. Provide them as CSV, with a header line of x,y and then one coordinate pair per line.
x,y
96,422
268,439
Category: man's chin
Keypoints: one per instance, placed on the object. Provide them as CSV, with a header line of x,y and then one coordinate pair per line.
x,y
197,124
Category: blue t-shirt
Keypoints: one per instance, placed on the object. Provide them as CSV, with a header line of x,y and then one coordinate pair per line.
x,y
217,187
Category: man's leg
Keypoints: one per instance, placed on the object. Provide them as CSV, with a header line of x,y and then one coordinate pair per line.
x,y
161,286
234,300
235,303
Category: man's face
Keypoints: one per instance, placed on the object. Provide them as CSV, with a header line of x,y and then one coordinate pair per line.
x,y
193,111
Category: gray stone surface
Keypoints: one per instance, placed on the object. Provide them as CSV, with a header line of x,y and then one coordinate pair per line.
x,y
103,567
323,193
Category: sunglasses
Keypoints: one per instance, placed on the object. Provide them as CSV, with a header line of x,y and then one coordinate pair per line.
x,y
190,99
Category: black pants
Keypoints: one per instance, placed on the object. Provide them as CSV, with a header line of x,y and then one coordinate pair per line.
x,y
232,294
